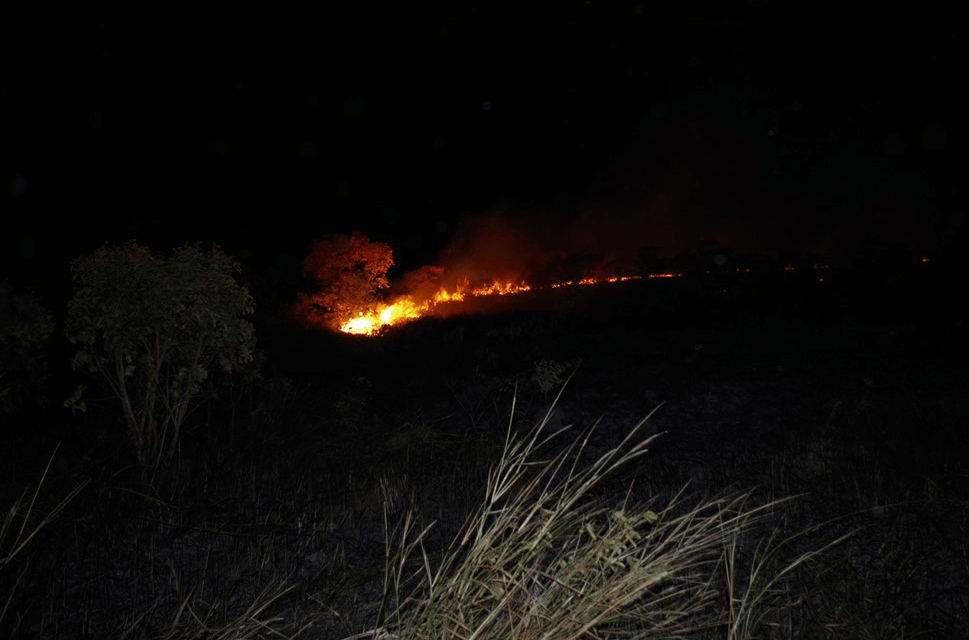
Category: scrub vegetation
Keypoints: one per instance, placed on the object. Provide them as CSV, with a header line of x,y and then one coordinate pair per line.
x,y
656,459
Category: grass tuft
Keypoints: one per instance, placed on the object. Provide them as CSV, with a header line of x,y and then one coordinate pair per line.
x,y
545,557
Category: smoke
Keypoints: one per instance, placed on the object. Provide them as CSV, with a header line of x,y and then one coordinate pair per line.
x,y
640,212
644,210
492,246
542,245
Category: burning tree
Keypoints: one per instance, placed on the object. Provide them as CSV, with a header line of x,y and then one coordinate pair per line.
x,y
350,271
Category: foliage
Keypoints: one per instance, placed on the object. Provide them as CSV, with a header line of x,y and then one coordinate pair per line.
x,y
349,271
551,374
25,327
155,329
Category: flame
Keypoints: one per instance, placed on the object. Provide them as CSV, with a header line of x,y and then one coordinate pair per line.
x,y
402,310
405,308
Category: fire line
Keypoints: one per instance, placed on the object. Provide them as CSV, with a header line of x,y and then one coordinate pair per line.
x,y
405,308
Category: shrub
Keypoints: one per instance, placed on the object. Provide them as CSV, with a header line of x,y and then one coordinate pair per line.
x,y
153,329
551,374
24,328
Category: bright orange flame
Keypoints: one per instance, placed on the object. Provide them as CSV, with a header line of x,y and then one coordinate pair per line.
x,y
405,308
402,310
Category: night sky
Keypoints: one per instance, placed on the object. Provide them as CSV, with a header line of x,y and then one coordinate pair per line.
x,y
581,132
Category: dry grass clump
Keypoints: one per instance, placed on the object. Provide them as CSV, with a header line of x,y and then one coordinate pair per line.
x,y
20,525
544,557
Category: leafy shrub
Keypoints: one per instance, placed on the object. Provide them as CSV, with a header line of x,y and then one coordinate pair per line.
x,y
154,329
24,328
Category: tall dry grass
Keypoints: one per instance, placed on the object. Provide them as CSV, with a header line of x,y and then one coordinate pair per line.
x,y
545,557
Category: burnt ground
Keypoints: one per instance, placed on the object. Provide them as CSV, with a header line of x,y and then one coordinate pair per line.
x,y
849,394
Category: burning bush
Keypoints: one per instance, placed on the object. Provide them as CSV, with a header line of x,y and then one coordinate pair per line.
x,y
349,270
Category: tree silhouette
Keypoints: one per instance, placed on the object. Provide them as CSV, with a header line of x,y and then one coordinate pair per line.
x,y
154,329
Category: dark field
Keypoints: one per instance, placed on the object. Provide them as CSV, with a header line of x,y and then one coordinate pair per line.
x,y
847,395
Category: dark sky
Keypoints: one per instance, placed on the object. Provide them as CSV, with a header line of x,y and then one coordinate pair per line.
x,y
762,133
